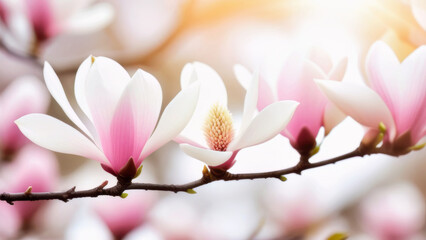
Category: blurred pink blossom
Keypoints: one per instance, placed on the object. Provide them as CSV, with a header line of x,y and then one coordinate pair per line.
x,y
124,215
396,97
394,213
23,96
296,82
120,114
11,222
35,167
209,136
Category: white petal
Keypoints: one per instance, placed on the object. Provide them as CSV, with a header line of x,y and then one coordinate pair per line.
x,y
338,71
250,102
212,91
174,118
91,19
209,157
332,117
57,92
50,133
243,75
266,125
419,11
359,102
80,85
188,75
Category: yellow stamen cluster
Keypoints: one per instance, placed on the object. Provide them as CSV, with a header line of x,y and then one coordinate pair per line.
x,y
218,128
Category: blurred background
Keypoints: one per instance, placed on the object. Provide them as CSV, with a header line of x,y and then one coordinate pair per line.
x,y
374,197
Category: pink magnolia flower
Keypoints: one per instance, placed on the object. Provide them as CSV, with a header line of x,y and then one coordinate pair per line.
x,y
27,23
120,114
418,7
23,96
210,136
396,96
35,167
394,213
124,215
296,82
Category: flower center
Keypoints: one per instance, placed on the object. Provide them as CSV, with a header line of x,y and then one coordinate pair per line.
x,y
218,128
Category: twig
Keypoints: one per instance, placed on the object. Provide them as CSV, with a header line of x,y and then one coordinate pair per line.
x,y
208,177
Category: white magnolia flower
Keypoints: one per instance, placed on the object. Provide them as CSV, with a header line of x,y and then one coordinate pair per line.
x,y
122,112
210,135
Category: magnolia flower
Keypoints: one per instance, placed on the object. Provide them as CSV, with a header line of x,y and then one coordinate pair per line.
x,y
27,23
394,213
124,215
418,8
396,96
120,114
25,95
296,82
11,224
35,167
210,136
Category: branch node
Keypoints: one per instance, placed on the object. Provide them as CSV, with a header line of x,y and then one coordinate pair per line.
x,y
102,186
10,202
28,191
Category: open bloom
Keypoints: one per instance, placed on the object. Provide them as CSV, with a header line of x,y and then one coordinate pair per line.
x,y
27,23
396,97
210,135
120,114
296,82
25,95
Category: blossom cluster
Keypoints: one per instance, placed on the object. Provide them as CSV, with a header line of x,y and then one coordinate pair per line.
x,y
119,124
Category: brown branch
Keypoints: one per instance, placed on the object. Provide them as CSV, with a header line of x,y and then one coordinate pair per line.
x,y
208,177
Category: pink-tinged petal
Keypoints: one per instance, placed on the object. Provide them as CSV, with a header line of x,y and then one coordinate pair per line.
x,y
266,125
9,229
339,70
209,157
175,117
419,11
124,215
93,18
23,96
212,91
321,58
359,102
383,71
57,92
4,12
41,16
296,83
50,133
265,95
134,119
411,107
35,167
332,117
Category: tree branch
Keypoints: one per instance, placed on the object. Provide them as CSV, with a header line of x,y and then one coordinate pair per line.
x,y
208,177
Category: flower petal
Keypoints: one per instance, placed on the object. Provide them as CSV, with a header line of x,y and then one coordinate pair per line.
x,y
297,83
250,102
419,11
208,156
266,125
338,71
265,95
174,118
55,135
332,117
57,92
320,57
410,115
91,19
212,91
360,102
80,85
383,71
